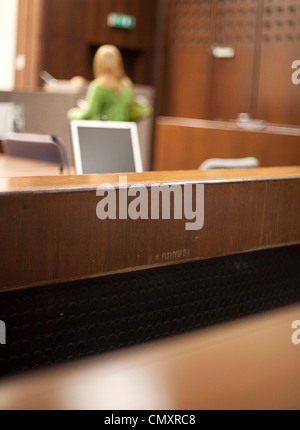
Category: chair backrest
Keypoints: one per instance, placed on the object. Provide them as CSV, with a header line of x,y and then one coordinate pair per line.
x,y
35,146
229,163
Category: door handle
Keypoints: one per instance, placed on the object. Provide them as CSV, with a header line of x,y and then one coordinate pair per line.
x,y
223,52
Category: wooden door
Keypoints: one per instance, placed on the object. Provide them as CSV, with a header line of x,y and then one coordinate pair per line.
x,y
278,98
187,62
264,38
233,69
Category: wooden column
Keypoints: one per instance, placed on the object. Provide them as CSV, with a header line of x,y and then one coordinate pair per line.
x,y
29,43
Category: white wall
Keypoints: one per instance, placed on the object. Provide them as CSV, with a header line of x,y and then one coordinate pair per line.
x,y
8,39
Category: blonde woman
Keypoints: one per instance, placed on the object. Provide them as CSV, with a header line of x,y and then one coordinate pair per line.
x,y
110,95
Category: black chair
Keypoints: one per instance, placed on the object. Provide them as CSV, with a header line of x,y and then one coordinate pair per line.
x,y
35,146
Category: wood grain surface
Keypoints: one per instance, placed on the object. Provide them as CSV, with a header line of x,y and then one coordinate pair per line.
x,y
50,232
250,364
182,144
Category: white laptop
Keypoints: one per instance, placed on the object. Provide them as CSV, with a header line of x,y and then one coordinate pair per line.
x,y
106,147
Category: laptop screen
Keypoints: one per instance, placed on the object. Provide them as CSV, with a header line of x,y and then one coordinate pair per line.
x,y
105,147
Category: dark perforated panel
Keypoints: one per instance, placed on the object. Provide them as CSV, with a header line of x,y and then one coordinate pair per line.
x,y
191,22
236,21
48,325
281,21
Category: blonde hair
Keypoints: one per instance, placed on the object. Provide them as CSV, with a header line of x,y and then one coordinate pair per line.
x,y
109,68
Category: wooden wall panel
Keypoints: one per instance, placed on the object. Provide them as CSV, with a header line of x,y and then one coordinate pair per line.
x,y
141,37
137,44
278,97
187,59
232,78
266,38
198,85
63,39
51,37
29,43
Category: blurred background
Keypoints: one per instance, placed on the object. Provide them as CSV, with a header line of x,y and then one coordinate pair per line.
x,y
209,59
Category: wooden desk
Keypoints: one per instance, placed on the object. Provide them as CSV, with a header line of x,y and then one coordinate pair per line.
x,y
72,285
252,365
21,167
244,211
184,144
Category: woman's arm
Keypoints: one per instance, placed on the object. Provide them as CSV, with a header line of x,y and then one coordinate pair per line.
x,y
92,99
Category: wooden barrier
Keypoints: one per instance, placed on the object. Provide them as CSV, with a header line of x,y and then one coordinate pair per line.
x,y
49,226
73,285
184,144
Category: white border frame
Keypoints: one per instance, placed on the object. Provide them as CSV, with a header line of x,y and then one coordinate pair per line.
x,y
105,124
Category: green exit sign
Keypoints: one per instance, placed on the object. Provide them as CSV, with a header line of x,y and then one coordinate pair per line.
x,y
118,20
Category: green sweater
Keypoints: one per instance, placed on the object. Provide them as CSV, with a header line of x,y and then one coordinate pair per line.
x,y
103,102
